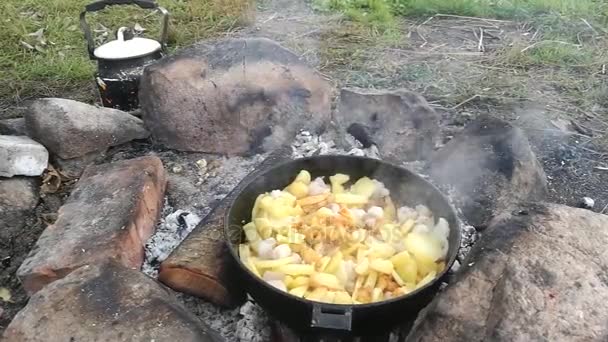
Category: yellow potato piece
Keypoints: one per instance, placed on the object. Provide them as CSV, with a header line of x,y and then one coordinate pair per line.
x,y
279,211
423,246
324,212
256,207
351,249
382,266
299,291
251,232
371,280
427,279
440,267
405,266
383,250
300,281
390,233
304,177
343,297
362,267
397,278
296,269
273,263
322,263
250,263
291,238
364,187
390,211
376,295
337,182
298,189
288,280
329,297
263,227
244,252
327,280
401,258
316,294
334,263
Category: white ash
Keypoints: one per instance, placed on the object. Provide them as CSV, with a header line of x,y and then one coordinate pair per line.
x,y
249,323
253,326
223,321
307,145
587,203
469,237
170,232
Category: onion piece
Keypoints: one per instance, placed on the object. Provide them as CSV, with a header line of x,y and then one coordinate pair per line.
x,y
375,212
272,275
318,187
405,213
281,251
279,284
265,248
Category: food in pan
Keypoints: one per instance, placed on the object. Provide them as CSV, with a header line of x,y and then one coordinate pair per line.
x,y
345,242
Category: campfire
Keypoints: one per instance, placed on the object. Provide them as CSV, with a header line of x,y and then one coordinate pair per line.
x,y
239,204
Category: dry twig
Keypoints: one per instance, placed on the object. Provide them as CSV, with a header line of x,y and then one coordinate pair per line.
x,y
466,101
480,46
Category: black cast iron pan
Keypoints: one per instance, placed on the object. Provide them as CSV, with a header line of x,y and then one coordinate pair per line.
x,y
306,316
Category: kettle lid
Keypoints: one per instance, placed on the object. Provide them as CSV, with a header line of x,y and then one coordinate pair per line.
x,y
124,49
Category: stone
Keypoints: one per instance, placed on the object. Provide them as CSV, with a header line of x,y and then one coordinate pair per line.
x,y
201,265
233,96
110,215
21,156
399,122
539,273
12,126
489,166
18,197
72,129
106,302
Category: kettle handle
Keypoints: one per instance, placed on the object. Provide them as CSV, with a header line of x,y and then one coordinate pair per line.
x,y
100,5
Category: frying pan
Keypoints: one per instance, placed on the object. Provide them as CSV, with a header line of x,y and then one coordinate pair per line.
x,y
307,316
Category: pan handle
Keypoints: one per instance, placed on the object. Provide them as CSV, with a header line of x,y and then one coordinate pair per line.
x,y
331,317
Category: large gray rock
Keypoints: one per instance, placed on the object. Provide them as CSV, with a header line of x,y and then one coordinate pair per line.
x,y
106,302
21,156
400,123
490,166
233,96
111,214
72,129
539,273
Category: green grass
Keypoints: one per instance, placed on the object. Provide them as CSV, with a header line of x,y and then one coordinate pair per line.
x,y
506,9
61,67
376,13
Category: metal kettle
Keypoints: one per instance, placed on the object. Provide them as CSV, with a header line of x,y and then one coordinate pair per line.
x,y
120,63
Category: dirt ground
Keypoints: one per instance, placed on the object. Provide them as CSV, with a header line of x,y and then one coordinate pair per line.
x,y
441,59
